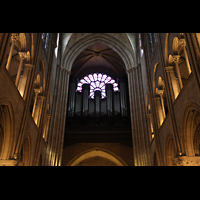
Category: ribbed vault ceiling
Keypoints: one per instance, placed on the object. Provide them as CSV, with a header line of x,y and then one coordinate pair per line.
x,y
98,58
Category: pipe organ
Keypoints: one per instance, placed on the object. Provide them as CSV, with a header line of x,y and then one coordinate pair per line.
x,y
98,119
80,104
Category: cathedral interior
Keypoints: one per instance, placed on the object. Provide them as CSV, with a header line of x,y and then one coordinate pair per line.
x,y
99,99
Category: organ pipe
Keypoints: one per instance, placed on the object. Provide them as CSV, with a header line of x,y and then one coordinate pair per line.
x,y
123,97
97,97
109,92
85,91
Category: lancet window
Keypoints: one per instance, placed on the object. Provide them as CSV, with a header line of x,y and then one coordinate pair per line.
x,y
152,42
97,81
140,41
45,39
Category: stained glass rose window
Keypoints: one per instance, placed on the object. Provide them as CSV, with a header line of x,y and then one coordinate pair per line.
x,y
97,81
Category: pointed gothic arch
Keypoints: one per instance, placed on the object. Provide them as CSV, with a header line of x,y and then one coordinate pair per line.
x,y
70,55
190,130
7,125
97,152
26,150
169,150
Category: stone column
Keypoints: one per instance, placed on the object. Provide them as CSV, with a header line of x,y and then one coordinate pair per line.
x,y
160,92
136,152
150,126
72,94
37,91
174,87
183,44
22,55
176,59
46,127
86,88
109,93
24,81
53,119
159,112
38,110
60,118
14,38
67,74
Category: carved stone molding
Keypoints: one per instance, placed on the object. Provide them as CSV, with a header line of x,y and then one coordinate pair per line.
x,y
176,58
131,69
65,70
182,42
23,55
14,36
187,161
8,162
160,92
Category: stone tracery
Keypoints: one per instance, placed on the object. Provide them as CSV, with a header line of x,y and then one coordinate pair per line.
x,y
97,81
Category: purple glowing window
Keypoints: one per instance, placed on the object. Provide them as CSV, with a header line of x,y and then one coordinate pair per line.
x,y
97,81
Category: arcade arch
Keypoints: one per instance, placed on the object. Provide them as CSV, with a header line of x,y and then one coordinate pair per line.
x,y
70,55
7,136
83,51
104,154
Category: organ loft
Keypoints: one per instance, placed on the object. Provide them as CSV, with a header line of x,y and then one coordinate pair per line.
x,y
99,99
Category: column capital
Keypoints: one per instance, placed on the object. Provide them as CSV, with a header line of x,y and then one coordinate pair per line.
x,y
176,58
182,42
65,70
14,36
22,55
37,90
130,70
160,92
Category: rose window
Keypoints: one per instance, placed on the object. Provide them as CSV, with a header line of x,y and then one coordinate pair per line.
x,y
97,81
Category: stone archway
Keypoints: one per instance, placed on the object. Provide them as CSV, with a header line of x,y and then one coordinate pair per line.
x,y
7,129
169,150
141,155
26,151
133,72
190,137
92,157
70,55
190,125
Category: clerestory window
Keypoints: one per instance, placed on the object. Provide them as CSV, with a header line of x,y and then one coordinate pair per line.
x,y
140,41
152,41
45,39
97,81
